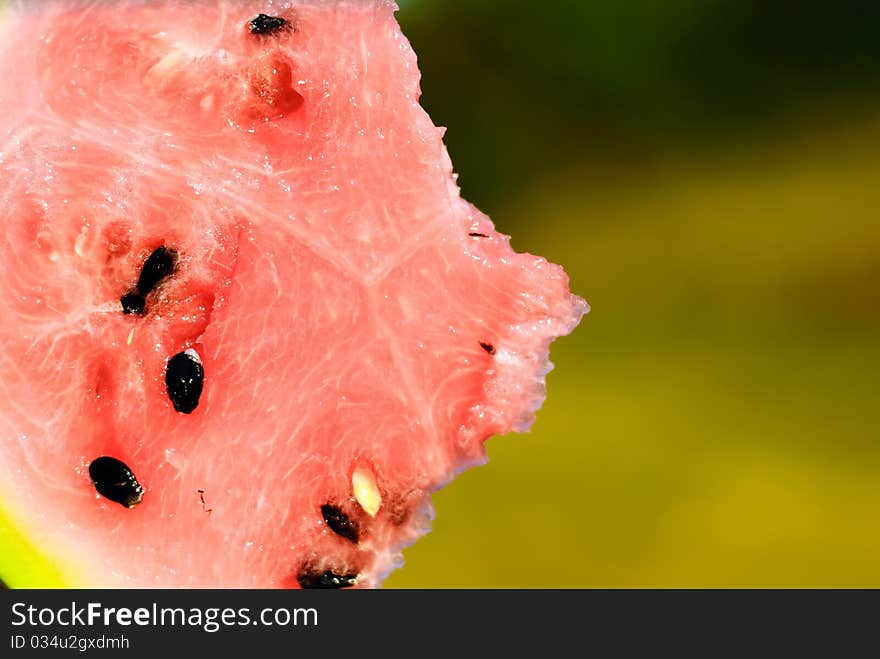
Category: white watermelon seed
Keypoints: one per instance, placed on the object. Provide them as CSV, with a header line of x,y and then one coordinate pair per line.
x,y
366,492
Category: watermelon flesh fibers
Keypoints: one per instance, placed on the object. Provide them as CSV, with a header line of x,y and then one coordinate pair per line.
x,y
362,329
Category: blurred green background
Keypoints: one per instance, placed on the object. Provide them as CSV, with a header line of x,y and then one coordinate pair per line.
x,y
708,173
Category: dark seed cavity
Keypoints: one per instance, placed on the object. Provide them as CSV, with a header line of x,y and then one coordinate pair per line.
x,y
488,347
115,481
184,377
339,522
327,579
263,24
158,265
474,234
133,303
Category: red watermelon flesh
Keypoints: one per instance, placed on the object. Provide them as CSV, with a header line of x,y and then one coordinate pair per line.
x,y
351,312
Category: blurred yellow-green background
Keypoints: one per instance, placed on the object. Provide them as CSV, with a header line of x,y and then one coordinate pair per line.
x,y
708,172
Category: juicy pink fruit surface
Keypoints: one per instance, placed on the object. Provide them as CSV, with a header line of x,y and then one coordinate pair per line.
x,y
325,275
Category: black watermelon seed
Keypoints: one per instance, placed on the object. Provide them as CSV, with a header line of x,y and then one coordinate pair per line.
x,y
184,376
474,234
263,24
158,265
113,479
339,522
133,303
326,579
488,347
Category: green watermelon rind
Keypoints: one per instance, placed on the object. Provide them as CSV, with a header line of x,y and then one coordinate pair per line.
x,y
23,566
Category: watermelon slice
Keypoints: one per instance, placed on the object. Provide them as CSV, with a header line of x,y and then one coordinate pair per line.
x,y
248,323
